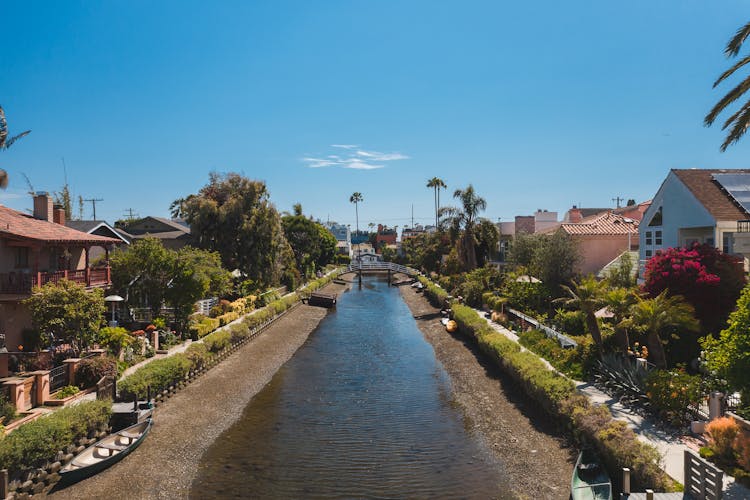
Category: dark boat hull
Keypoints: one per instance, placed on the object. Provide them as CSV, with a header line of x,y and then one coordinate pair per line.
x,y
72,476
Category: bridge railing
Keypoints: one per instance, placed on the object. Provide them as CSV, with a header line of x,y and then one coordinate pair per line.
x,y
381,266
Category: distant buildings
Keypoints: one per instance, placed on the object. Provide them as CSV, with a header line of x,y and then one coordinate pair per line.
x,y
343,237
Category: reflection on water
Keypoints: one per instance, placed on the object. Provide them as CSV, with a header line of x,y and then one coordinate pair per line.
x,y
363,409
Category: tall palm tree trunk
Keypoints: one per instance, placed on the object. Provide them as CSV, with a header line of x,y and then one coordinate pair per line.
x,y
436,206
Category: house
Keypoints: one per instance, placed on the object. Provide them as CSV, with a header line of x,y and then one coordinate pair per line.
x,y
385,236
601,238
99,228
343,238
699,206
38,249
173,233
541,221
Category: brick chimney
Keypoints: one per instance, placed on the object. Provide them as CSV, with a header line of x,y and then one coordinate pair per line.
x,y
43,206
58,214
574,215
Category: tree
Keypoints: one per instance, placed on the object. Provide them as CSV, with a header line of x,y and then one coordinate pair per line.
x,y
738,122
425,251
658,316
586,296
487,237
708,279
523,248
67,311
618,301
233,216
463,219
313,245
728,357
437,183
356,198
5,143
554,260
142,273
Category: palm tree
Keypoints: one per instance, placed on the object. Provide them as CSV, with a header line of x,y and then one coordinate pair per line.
x,y
618,301
5,143
586,296
656,316
740,120
465,217
356,198
436,183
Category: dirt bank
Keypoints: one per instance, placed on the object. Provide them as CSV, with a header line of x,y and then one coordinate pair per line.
x,y
188,423
532,449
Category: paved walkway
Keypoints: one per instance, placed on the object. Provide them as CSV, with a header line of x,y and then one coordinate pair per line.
x,y
671,448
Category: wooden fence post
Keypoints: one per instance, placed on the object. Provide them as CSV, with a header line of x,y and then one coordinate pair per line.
x,y
626,480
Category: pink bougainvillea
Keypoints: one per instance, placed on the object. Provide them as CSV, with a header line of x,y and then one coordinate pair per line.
x,y
708,279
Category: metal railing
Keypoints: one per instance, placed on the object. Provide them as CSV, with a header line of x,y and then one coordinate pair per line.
x,y
58,378
563,340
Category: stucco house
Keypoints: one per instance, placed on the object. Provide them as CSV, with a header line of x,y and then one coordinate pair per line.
x,y
698,206
601,238
37,249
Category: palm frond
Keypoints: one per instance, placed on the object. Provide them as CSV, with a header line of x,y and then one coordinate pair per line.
x,y
742,62
735,44
9,142
728,99
739,128
3,127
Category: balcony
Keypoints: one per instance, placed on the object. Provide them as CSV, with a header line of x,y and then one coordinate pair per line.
x,y
22,282
743,226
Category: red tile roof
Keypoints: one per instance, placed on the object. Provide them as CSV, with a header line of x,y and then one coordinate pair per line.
x,y
20,226
709,193
605,224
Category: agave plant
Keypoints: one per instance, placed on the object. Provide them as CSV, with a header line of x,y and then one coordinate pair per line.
x,y
621,378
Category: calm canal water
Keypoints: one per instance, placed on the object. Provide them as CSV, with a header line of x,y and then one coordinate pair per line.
x,y
362,410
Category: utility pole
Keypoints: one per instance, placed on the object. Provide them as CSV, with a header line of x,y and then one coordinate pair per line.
x,y
617,200
412,215
130,214
93,204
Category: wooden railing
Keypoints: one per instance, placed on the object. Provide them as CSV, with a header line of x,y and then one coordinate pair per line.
x,y
381,266
703,481
22,283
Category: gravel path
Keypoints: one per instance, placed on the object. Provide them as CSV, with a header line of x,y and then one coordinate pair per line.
x,y
188,423
533,450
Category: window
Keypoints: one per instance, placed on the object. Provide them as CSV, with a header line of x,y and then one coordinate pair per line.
x,y
657,237
649,253
656,220
649,239
728,243
22,257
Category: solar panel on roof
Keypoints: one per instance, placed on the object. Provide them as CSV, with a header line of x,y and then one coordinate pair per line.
x,y
738,187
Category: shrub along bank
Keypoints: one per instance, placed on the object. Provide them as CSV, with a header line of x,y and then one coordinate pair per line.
x,y
593,425
161,374
39,441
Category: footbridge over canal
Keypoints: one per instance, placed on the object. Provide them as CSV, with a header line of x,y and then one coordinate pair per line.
x,y
391,268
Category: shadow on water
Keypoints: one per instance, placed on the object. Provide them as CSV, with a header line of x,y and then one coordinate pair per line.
x,y
363,410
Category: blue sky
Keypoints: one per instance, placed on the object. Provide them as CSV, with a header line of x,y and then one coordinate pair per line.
x,y
537,104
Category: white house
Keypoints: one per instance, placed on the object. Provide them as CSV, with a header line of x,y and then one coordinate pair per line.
x,y
698,205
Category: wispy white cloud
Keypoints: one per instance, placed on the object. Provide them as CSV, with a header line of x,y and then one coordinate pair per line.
x,y
354,158
361,165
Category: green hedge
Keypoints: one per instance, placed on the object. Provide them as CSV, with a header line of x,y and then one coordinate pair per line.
x,y
37,442
434,293
158,375
617,444
227,318
204,327
218,341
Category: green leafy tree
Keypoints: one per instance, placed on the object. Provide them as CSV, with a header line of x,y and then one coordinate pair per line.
x,y
5,143
738,121
729,355
487,237
586,296
142,273
67,311
312,244
555,260
437,184
425,251
233,216
659,316
463,221
523,248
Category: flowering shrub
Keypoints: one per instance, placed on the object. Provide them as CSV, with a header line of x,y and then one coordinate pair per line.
x,y
139,333
671,392
722,433
708,279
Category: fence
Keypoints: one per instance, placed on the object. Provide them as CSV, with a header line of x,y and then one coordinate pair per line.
x,y
58,378
563,340
703,481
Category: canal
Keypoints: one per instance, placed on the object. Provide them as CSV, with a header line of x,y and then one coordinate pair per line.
x,y
362,410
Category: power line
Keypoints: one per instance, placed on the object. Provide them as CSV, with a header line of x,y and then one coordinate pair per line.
x,y
93,204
